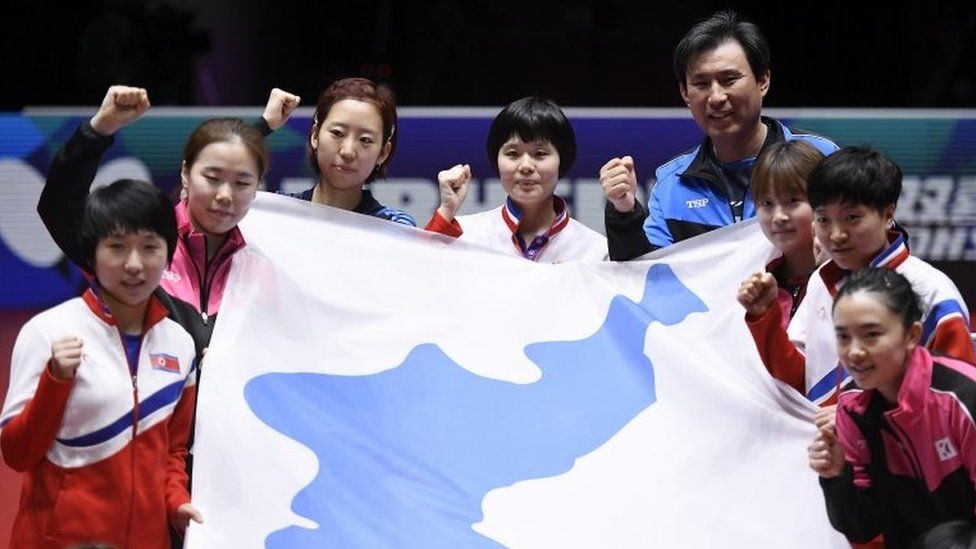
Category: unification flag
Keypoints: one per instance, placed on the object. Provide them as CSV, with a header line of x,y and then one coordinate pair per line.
x,y
373,385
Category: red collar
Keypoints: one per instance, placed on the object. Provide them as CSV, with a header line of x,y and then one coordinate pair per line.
x,y
892,256
513,218
155,310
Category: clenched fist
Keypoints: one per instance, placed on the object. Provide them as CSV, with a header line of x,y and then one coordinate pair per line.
x,y
757,293
65,357
279,108
619,182
453,183
121,106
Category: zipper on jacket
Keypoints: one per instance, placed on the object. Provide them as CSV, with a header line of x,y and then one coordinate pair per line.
x,y
209,278
205,285
207,282
132,454
718,178
905,444
202,280
206,279
133,377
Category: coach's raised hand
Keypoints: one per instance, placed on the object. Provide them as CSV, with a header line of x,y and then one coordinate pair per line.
x,y
121,106
619,182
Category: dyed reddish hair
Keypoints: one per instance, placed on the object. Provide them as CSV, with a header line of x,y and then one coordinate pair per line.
x,y
367,91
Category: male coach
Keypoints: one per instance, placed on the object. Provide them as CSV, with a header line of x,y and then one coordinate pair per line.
x,y
722,68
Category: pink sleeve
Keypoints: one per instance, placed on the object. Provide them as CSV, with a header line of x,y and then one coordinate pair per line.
x,y
855,447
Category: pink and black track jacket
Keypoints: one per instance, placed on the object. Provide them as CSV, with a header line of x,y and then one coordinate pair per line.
x,y
910,465
196,283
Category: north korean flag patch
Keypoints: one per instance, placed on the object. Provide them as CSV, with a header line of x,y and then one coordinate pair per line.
x,y
163,361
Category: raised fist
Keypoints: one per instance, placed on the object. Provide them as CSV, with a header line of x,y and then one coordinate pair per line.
x,y
279,108
453,183
121,106
619,182
757,293
65,357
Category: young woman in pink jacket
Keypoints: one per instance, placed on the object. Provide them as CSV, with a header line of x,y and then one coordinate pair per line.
x,y
223,162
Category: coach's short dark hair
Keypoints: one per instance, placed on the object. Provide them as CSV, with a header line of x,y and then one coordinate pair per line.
x,y
533,118
855,175
711,33
126,206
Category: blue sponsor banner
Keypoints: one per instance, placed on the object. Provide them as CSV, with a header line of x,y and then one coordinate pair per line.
x,y
936,149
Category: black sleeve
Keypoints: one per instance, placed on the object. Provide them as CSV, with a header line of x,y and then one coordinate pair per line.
x,y
625,232
262,126
69,179
199,327
852,511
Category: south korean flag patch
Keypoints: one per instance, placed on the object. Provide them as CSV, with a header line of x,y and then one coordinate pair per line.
x,y
945,449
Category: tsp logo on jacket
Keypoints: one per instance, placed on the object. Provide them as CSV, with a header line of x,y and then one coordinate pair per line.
x,y
696,203
163,361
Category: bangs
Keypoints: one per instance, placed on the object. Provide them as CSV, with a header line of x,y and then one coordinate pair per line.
x,y
126,207
533,118
784,184
783,169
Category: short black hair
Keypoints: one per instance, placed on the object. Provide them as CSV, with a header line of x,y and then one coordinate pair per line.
x,y
894,289
711,33
855,175
533,118
126,206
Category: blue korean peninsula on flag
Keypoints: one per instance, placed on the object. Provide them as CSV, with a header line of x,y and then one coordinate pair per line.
x,y
371,385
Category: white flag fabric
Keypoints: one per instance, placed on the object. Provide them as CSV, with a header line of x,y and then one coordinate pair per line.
x,y
372,385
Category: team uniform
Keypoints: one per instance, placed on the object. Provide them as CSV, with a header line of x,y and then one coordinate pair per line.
x,y
497,229
368,205
909,465
805,354
195,284
103,454
694,194
193,278
790,291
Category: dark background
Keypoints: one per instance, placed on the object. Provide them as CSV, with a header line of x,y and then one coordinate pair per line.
x,y
605,53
